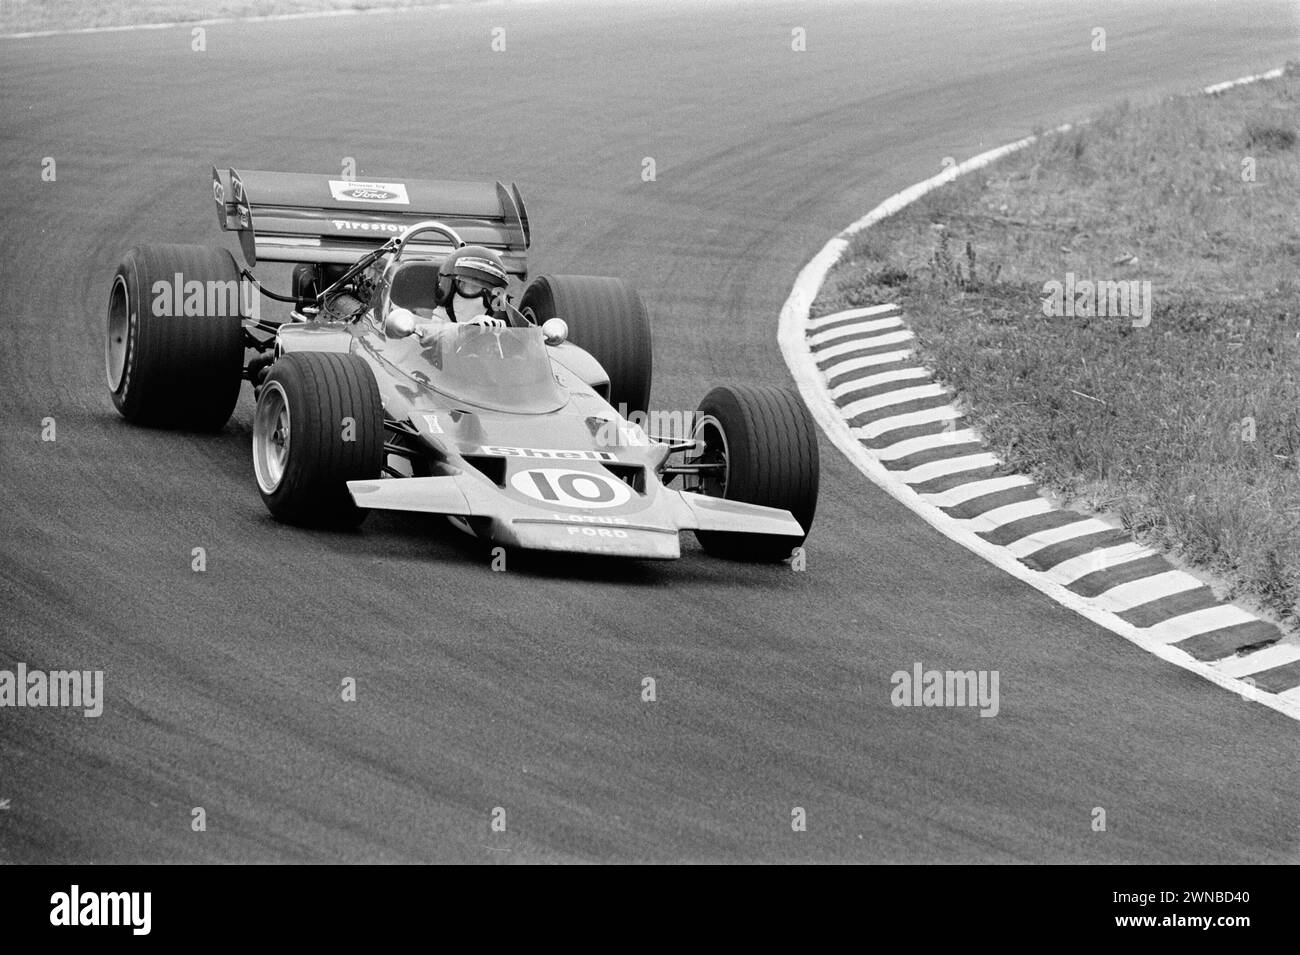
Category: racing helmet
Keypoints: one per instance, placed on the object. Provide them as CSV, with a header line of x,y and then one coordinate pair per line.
x,y
476,269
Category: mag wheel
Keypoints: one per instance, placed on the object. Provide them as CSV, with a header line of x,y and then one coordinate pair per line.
x,y
174,351
319,423
761,443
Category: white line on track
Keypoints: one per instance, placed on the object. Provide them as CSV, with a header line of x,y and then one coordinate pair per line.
x,y
883,378
868,312
1199,621
1138,592
899,396
1068,571
946,466
968,492
927,442
876,341
1279,654
1032,543
857,328
1000,516
885,425
866,361
261,18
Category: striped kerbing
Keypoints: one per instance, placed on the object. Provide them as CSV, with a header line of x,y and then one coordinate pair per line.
x,y
911,425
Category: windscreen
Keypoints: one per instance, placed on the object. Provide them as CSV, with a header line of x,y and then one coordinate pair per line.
x,y
504,369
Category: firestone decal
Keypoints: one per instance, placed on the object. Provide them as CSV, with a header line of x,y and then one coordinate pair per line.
x,y
347,225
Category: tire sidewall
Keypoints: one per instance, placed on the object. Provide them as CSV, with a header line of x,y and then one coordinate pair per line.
x,y
761,469
288,377
176,373
125,398
309,492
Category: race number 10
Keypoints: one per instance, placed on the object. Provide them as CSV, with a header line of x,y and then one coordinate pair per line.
x,y
566,488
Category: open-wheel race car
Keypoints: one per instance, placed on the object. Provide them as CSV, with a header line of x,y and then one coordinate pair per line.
x,y
519,418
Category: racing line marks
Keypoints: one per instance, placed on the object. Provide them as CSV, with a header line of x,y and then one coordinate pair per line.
x,y
904,431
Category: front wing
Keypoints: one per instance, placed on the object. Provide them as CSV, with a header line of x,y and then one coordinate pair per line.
x,y
648,532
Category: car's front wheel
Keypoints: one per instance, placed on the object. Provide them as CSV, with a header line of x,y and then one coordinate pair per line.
x,y
759,446
319,423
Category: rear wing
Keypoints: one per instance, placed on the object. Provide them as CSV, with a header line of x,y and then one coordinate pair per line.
x,y
291,217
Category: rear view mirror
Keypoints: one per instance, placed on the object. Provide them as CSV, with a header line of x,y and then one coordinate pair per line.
x,y
555,331
399,322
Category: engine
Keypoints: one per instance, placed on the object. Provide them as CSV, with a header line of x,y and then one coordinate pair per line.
x,y
341,308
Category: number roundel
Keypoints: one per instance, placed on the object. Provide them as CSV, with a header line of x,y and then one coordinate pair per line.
x,y
562,487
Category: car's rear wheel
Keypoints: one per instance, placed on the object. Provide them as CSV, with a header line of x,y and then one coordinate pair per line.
x,y
607,318
762,444
319,423
174,353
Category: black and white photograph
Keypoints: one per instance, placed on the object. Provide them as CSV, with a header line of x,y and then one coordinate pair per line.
x,y
651,432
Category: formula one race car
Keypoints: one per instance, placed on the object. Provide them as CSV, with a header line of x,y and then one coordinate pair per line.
x,y
522,424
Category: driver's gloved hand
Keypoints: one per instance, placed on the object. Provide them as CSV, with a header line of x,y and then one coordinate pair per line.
x,y
486,321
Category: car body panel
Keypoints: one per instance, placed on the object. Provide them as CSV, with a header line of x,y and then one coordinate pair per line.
x,y
551,466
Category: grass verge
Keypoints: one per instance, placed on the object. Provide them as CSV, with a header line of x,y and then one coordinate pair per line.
x,y
1187,428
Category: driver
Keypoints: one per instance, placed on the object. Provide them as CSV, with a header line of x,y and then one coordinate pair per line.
x,y
471,282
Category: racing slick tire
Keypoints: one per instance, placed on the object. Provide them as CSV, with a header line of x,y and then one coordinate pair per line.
x,y
318,424
767,442
607,318
175,358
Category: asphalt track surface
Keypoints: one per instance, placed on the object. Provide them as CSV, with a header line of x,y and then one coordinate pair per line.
x,y
522,689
